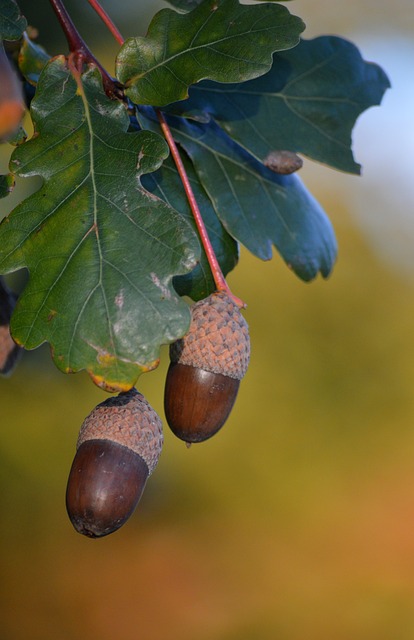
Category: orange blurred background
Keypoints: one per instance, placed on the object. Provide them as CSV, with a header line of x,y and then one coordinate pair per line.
x,y
297,520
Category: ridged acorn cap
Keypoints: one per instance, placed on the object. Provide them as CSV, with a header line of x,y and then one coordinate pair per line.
x,y
218,338
129,420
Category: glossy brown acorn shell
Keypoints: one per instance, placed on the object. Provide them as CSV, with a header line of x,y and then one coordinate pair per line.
x,y
197,402
105,484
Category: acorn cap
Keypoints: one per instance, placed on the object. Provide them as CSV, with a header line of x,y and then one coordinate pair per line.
x,y
218,338
129,420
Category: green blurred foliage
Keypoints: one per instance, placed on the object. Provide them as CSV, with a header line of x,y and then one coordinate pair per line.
x,y
295,521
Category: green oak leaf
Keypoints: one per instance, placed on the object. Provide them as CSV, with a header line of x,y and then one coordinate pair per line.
x,y
308,102
100,249
258,207
6,184
166,184
32,59
12,23
220,40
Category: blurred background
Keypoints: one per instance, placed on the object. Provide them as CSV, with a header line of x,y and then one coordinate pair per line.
x,y
297,520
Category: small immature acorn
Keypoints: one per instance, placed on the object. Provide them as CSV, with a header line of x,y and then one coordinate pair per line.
x,y
118,448
283,162
206,367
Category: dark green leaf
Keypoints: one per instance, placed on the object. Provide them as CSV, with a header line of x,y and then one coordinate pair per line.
x,y
166,184
188,5
6,184
258,207
12,23
185,5
101,250
308,102
220,39
32,59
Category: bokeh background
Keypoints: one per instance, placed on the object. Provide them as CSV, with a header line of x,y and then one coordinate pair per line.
x,y
297,520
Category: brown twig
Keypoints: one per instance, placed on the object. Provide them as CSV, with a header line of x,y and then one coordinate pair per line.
x,y
81,52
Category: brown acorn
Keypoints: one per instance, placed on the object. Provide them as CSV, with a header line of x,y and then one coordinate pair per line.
x,y
206,367
118,448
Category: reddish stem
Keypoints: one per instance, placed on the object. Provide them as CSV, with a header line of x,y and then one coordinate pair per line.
x,y
81,52
107,20
75,42
218,276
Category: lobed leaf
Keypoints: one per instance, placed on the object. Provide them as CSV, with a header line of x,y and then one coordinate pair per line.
x,y
220,39
308,102
100,249
258,207
12,23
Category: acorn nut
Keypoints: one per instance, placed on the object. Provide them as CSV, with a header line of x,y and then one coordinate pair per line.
x,y
118,448
206,367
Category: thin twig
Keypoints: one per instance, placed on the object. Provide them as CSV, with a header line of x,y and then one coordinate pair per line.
x,y
107,20
81,52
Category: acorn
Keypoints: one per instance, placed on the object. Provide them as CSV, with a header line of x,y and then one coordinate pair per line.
x,y
118,448
283,162
206,367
